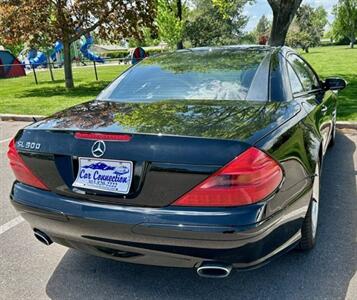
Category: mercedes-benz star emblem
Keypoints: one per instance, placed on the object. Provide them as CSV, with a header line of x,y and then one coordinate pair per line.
x,y
98,148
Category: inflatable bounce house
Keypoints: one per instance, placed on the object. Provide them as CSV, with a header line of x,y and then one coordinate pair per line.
x,y
10,66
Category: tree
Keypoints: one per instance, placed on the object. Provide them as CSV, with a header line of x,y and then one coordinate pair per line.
x,y
263,26
216,22
345,23
29,21
307,28
262,30
283,14
169,22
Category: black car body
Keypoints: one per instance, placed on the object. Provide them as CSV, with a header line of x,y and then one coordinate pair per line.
x,y
177,120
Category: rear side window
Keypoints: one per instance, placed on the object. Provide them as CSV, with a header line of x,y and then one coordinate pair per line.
x,y
306,75
296,86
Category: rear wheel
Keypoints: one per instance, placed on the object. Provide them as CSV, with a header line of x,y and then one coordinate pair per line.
x,y
309,227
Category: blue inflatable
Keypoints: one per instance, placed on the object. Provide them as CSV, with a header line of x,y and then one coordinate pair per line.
x,y
58,47
88,42
37,58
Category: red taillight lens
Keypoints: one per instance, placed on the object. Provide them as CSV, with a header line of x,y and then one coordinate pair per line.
x,y
249,178
103,136
21,171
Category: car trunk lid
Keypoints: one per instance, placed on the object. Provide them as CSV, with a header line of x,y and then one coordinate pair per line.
x,y
173,146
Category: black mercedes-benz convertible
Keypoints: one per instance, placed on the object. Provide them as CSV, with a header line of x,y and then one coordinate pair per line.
x,y
205,158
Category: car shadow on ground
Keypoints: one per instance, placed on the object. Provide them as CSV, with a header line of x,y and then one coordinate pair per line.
x,y
324,272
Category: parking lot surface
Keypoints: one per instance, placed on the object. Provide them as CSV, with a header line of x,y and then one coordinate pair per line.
x,y
30,270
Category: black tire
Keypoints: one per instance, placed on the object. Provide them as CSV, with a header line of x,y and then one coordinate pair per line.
x,y
333,136
307,241
309,227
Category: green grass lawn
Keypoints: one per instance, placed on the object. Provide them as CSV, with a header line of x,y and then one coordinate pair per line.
x,y
338,61
22,96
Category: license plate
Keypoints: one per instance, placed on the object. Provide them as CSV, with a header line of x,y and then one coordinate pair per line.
x,y
104,175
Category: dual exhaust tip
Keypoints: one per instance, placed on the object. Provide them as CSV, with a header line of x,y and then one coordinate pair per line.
x,y
206,269
214,270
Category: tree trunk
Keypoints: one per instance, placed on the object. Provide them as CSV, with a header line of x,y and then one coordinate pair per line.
x,y
49,63
67,65
283,14
179,15
279,30
179,45
353,41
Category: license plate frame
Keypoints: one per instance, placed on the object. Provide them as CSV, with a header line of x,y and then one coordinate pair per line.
x,y
106,175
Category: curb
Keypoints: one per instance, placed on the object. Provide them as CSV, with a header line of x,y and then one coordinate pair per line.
x,y
23,118
29,118
346,125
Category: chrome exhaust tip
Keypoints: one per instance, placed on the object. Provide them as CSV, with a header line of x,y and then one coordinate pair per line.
x,y
42,237
214,270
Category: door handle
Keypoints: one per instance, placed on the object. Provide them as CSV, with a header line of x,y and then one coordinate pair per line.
x,y
323,108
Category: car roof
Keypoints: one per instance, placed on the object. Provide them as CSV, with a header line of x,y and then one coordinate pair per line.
x,y
230,47
276,49
283,50
269,54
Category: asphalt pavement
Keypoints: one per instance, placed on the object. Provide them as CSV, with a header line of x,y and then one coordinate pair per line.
x,y
30,270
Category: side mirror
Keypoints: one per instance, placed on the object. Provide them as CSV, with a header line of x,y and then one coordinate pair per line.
x,y
335,84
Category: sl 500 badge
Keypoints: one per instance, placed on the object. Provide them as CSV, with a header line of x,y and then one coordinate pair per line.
x,y
28,145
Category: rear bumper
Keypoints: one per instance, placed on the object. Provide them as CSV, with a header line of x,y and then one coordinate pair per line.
x,y
170,236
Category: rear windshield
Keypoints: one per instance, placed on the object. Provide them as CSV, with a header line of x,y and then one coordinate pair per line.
x,y
188,75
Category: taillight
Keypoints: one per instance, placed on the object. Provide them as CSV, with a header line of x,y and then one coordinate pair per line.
x,y
103,136
21,171
249,178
